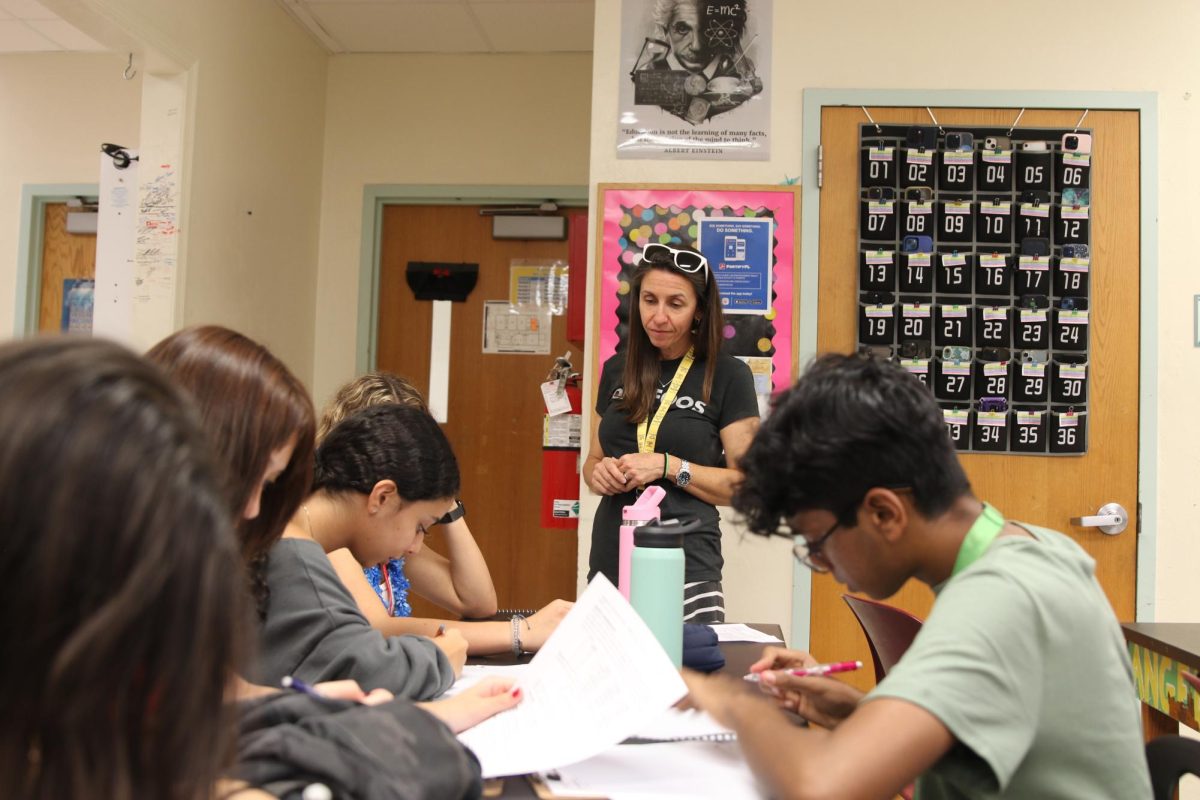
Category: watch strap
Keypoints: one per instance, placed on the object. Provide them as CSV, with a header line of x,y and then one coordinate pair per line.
x,y
458,512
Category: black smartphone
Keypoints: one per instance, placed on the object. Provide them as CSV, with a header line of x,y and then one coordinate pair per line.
x,y
921,137
1075,251
881,193
960,140
1035,246
1035,197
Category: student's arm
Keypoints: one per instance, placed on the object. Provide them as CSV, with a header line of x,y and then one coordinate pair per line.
x,y
879,749
459,581
713,485
485,638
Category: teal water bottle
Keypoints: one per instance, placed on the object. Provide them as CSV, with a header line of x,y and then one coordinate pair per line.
x,y
656,585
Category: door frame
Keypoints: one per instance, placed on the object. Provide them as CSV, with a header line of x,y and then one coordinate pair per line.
x,y
1146,104
30,245
379,195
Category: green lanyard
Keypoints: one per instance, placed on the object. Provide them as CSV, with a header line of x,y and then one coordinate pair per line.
x,y
983,532
647,431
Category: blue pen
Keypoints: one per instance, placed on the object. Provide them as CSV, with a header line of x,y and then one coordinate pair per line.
x,y
289,682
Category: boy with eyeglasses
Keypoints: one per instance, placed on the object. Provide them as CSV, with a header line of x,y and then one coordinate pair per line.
x,y
1018,685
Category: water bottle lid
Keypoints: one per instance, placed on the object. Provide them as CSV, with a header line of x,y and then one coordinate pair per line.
x,y
668,533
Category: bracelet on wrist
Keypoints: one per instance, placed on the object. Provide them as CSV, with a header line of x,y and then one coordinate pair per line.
x,y
516,634
666,458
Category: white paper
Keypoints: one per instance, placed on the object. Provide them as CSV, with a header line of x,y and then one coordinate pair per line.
x,y
474,673
675,769
438,397
510,329
600,678
677,724
737,632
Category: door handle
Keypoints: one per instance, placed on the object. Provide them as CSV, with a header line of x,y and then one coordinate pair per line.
x,y
1110,518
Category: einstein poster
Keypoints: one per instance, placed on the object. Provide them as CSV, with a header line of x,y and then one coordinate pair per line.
x,y
695,79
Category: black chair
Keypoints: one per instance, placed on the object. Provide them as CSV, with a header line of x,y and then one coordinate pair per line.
x,y
1170,758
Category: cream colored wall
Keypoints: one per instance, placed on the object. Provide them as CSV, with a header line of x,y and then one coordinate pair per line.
x,y
503,120
57,110
885,45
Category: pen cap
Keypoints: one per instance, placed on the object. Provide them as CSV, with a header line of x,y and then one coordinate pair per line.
x,y
668,533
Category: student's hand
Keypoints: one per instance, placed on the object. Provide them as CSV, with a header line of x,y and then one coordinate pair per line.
x,y
350,690
454,645
718,694
825,701
641,469
608,478
543,623
472,706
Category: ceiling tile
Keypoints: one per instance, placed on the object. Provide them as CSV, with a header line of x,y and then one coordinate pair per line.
x,y
27,9
17,37
409,27
66,35
515,27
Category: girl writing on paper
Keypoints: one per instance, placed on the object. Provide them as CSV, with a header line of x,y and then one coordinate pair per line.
x,y
672,411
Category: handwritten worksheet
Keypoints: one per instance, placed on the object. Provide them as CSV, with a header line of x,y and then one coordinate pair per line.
x,y
601,677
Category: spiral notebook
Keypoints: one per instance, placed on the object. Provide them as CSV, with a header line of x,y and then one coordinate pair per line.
x,y
683,726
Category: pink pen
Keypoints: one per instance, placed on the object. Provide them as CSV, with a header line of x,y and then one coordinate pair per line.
x,y
816,671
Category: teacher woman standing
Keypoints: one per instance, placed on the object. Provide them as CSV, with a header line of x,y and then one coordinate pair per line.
x,y
672,410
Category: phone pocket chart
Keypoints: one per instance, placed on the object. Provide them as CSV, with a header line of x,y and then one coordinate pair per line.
x,y
973,274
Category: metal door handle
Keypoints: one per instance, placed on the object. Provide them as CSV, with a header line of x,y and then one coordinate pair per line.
x,y
1110,519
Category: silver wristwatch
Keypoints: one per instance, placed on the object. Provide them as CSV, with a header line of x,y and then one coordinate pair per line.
x,y
684,476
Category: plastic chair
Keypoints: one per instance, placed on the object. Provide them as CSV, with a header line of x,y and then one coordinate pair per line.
x,y
889,631
1170,758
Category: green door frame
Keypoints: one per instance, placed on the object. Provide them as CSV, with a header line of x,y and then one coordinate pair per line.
x,y
34,199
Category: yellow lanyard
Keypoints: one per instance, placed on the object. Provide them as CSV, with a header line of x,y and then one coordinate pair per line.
x,y
647,430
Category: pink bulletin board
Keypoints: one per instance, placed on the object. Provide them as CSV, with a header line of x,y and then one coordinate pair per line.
x,y
634,215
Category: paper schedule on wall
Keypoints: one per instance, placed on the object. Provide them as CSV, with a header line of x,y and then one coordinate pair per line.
x,y
514,329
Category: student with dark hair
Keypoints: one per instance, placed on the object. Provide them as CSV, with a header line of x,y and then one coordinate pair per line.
x,y
1018,684
674,411
382,477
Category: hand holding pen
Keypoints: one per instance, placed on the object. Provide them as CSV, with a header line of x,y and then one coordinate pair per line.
x,y
815,671
792,677
337,690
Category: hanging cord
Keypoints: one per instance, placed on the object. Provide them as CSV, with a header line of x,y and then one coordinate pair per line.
x,y
129,70
1013,127
878,129
1081,119
929,111
119,155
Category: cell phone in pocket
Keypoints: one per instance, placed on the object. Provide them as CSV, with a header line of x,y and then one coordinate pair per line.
x,y
1035,246
918,194
916,244
960,140
1035,197
921,137
878,298
881,193
1035,146
997,143
1035,356
1075,251
1077,143
1076,197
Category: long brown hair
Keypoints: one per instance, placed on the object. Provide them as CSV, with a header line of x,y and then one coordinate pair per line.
x,y
642,361
122,609
251,405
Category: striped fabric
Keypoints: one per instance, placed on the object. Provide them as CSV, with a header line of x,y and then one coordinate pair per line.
x,y
703,603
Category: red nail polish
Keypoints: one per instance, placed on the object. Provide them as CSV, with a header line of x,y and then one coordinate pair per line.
x,y
516,692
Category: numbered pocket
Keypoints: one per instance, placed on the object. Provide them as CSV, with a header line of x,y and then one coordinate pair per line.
x,y
1070,329
916,273
916,218
953,325
996,171
1033,220
1068,383
878,166
952,380
990,431
915,322
877,270
877,324
993,326
956,222
1028,434
1033,275
1068,432
1033,329
993,276
992,378
1071,277
954,273
917,168
1072,224
958,426
917,367
1031,383
877,220
1074,171
995,225
1034,170
956,171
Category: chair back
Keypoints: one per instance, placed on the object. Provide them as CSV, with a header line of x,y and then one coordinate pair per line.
x,y
1170,758
889,631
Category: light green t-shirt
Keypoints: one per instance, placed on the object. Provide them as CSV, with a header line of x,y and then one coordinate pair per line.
x,y
1023,661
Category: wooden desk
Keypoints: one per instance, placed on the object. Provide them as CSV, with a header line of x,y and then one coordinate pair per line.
x,y
1160,651
738,658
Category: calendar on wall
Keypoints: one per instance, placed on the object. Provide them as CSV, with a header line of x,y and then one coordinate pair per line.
x,y
974,263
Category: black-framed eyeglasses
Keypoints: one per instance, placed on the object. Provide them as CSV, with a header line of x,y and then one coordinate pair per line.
x,y
682,260
811,554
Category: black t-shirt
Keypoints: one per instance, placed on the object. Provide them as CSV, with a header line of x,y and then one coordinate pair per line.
x,y
691,430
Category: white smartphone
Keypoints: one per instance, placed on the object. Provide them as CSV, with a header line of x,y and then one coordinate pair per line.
x,y
1077,143
1034,146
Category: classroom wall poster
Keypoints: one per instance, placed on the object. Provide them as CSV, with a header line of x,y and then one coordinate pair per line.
x,y
695,79
635,217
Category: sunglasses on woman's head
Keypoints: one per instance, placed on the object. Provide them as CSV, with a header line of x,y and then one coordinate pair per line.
x,y
682,260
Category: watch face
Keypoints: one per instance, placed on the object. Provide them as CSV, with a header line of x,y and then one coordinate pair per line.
x,y
684,476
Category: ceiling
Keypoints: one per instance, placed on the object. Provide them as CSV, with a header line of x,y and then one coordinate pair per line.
x,y
27,26
447,26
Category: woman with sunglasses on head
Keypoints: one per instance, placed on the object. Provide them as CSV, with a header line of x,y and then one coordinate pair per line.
x,y
672,411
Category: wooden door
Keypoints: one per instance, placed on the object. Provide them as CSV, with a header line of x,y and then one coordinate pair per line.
x,y
64,255
495,409
1041,490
